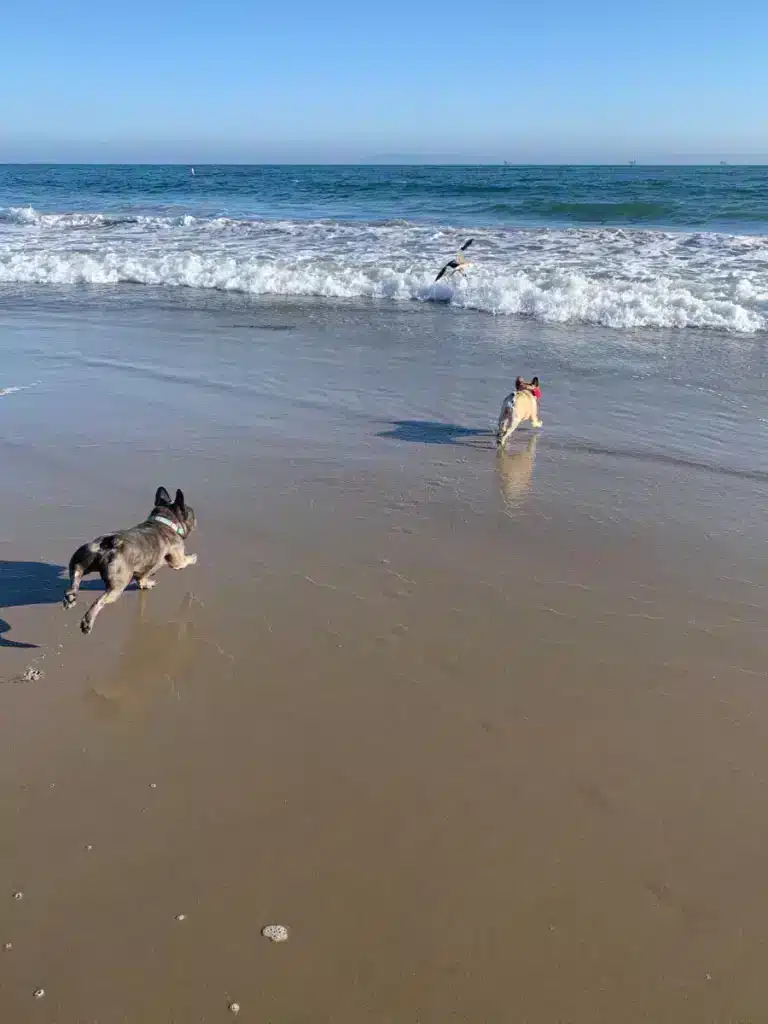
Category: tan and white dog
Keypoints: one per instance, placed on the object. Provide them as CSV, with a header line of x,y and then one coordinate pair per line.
x,y
518,407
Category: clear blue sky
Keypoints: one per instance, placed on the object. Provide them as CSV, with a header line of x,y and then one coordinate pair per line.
x,y
545,80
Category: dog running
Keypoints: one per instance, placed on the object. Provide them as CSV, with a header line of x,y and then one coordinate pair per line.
x,y
134,554
520,405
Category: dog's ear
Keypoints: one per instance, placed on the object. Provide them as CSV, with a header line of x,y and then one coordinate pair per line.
x,y
162,497
179,502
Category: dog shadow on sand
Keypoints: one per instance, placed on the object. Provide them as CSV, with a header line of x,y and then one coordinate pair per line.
x,y
435,432
30,583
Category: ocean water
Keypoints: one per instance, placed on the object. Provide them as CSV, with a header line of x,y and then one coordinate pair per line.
x,y
624,248
295,310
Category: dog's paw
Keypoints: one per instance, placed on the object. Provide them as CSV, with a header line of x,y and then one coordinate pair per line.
x,y
86,625
69,601
146,584
191,559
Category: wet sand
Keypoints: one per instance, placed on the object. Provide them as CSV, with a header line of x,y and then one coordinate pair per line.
x,y
490,741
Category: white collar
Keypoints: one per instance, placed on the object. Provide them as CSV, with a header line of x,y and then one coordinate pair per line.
x,y
177,527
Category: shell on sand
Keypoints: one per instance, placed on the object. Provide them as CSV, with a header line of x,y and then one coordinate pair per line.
x,y
275,932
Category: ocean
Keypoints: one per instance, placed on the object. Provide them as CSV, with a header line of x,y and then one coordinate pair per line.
x,y
618,247
638,295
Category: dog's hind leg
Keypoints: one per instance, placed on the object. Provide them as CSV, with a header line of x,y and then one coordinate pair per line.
x,y
115,586
509,429
505,419
86,624
70,598
80,564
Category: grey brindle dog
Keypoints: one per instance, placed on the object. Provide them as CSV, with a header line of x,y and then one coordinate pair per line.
x,y
134,554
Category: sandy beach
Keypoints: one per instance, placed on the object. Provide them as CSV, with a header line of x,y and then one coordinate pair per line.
x,y
487,734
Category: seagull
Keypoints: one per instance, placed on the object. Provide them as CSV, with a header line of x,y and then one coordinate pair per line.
x,y
460,263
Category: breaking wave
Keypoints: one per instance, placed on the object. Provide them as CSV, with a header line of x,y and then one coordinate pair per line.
x,y
612,277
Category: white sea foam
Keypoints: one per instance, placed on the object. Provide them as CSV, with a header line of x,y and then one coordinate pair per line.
x,y
610,277
14,388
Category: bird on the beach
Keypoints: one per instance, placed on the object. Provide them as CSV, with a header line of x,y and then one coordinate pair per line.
x,y
459,263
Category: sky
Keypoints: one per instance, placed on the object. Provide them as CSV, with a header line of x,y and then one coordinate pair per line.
x,y
294,81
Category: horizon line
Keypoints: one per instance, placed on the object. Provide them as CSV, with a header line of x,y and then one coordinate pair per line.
x,y
758,160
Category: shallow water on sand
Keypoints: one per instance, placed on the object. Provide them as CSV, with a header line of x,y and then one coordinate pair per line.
x,y
674,423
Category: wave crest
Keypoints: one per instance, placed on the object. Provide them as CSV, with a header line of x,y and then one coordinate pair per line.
x,y
613,277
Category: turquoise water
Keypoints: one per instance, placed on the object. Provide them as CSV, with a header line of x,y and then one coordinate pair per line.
x,y
617,247
711,198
